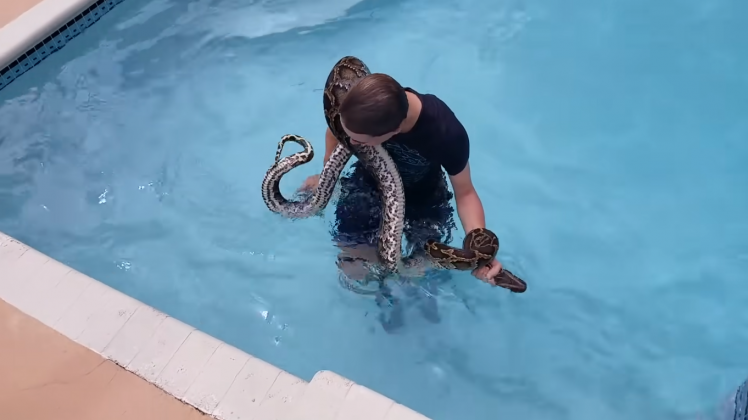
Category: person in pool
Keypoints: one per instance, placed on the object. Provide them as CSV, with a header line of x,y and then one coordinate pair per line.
x,y
425,139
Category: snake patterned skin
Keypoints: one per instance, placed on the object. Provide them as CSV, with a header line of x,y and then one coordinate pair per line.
x,y
480,245
314,203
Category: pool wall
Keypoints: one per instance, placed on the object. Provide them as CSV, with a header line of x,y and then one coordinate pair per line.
x,y
30,35
193,367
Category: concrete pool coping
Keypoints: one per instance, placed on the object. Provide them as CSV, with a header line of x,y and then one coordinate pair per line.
x,y
191,366
48,309
47,376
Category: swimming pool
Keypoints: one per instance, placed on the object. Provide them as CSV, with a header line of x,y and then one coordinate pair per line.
x,y
608,148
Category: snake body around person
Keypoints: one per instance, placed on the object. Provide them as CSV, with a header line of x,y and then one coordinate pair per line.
x,y
373,208
425,139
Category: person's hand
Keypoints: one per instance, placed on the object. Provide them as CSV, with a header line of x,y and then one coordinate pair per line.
x,y
310,183
488,272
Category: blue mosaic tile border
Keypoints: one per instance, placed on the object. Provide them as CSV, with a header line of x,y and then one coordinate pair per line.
x,y
55,41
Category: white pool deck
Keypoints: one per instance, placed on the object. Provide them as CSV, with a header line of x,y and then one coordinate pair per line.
x,y
74,348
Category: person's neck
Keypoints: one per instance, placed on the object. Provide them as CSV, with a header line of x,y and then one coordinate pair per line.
x,y
414,111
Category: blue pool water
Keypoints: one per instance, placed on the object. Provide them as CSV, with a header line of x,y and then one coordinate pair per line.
x,y
609,146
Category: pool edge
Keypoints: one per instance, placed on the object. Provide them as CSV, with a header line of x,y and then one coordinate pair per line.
x,y
42,30
193,367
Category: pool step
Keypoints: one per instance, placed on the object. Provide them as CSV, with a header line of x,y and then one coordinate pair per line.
x,y
330,396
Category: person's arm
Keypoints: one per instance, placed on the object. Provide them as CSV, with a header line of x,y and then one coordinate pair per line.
x,y
455,157
455,161
472,216
469,206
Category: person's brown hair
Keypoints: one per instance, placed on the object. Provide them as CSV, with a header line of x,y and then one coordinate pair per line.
x,y
375,106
